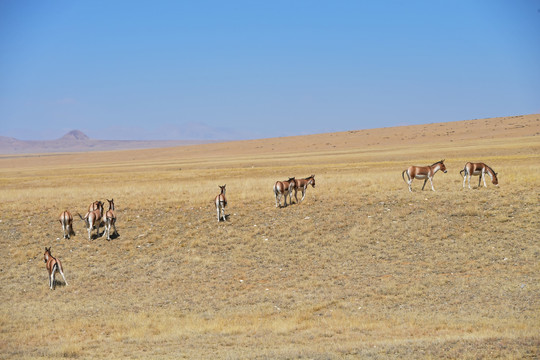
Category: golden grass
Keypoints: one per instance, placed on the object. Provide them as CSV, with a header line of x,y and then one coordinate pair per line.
x,y
361,269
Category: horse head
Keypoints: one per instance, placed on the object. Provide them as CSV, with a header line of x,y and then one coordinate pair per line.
x,y
46,254
443,167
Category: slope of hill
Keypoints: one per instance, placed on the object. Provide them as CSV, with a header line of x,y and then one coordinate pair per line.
x,y
493,128
361,268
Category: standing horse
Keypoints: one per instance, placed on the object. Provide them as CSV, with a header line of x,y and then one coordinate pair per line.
x,y
110,219
284,188
423,172
95,205
53,265
92,219
221,203
66,219
480,170
303,185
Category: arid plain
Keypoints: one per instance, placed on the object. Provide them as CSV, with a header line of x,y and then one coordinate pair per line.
x,y
362,268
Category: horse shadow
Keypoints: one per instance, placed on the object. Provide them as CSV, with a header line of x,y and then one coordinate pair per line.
x,y
220,219
114,235
57,283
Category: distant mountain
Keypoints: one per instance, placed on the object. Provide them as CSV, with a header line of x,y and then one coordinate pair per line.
x,y
75,135
77,141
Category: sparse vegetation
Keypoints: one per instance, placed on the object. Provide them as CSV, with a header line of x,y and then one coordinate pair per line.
x,y
361,269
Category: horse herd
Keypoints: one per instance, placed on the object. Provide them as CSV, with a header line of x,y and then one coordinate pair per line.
x,y
282,189
471,169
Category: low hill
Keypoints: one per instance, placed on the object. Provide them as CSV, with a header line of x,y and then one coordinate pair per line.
x,y
478,129
77,141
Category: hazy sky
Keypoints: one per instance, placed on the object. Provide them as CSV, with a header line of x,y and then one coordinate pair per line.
x,y
251,69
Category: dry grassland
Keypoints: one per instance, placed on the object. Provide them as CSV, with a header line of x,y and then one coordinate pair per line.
x,y
361,269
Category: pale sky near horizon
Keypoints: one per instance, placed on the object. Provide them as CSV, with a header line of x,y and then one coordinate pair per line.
x,y
156,70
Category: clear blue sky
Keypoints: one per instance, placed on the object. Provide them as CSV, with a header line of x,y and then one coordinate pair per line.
x,y
251,69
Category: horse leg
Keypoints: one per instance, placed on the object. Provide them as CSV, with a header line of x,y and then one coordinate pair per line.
x,y
223,209
62,273
465,179
296,195
431,181
425,181
51,280
484,178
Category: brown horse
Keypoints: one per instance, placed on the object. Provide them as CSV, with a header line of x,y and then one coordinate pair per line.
x,y
423,172
480,170
221,203
93,218
53,265
284,189
66,219
110,219
95,205
303,185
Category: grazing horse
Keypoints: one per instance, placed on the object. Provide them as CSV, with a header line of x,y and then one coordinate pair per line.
x,y
93,218
221,203
110,219
53,265
480,170
284,188
423,172
66,219
303,185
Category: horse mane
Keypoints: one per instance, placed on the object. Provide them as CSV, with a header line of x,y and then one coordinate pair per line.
x,y
492,171
438,162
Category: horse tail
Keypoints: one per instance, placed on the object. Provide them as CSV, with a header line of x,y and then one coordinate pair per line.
x,y
461,172
85,219
403,175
